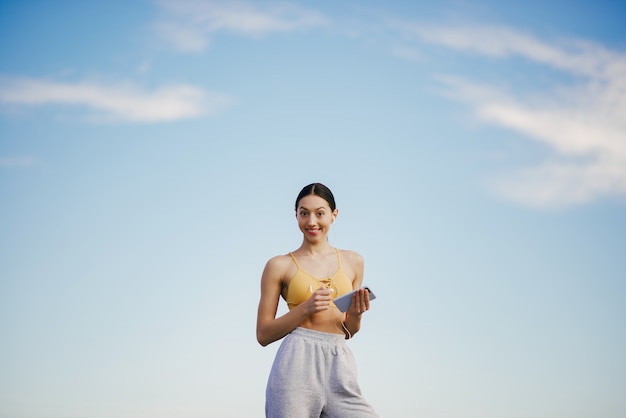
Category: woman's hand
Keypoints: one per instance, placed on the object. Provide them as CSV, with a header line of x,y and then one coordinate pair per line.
x,y
360,303
319,301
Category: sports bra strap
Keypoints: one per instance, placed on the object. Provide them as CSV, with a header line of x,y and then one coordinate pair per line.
x,y
338,259
295,261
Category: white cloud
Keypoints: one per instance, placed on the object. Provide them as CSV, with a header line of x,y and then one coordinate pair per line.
x,y
190,23
559,184
584,124
575,56
407,53
119,102
16,162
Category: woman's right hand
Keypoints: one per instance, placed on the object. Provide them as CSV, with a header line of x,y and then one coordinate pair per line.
x,y
319,301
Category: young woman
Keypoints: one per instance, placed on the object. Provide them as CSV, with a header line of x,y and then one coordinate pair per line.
x,y
314,373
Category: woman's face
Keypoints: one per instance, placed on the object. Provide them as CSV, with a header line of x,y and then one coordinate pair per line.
x,y
314,217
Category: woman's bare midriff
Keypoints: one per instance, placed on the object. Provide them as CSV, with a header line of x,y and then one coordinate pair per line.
x,y
326,321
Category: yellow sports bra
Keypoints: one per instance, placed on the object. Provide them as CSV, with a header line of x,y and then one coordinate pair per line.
x,y
302,284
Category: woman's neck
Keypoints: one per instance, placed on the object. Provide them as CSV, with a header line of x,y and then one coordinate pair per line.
x,y
319,248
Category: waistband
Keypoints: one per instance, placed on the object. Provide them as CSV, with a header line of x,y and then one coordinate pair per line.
x,y
319,336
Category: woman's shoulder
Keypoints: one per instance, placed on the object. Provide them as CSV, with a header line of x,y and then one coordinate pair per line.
x,y
278,268
279,261
351,257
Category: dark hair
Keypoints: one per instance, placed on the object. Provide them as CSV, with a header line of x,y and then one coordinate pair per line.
x,y
317,189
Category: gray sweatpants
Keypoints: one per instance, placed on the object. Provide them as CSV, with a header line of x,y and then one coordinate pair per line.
x,y
314,375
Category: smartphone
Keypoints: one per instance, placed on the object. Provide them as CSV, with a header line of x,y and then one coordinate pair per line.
x,y
343,302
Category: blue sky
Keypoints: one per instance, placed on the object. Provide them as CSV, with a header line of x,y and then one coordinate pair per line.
x,y
150,153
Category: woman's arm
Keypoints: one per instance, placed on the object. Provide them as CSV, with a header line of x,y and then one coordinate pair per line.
x,y
360,298
268,327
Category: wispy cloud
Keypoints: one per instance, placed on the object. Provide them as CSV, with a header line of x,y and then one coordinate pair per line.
x,y
189,24
117,102
16,161
583,123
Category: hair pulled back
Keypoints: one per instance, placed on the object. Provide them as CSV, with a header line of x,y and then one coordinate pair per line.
x,y
317,189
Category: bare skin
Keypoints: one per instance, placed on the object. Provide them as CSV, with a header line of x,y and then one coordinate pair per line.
x,y
318,258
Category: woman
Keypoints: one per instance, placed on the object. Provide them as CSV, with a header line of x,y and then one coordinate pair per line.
x,y
314,373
